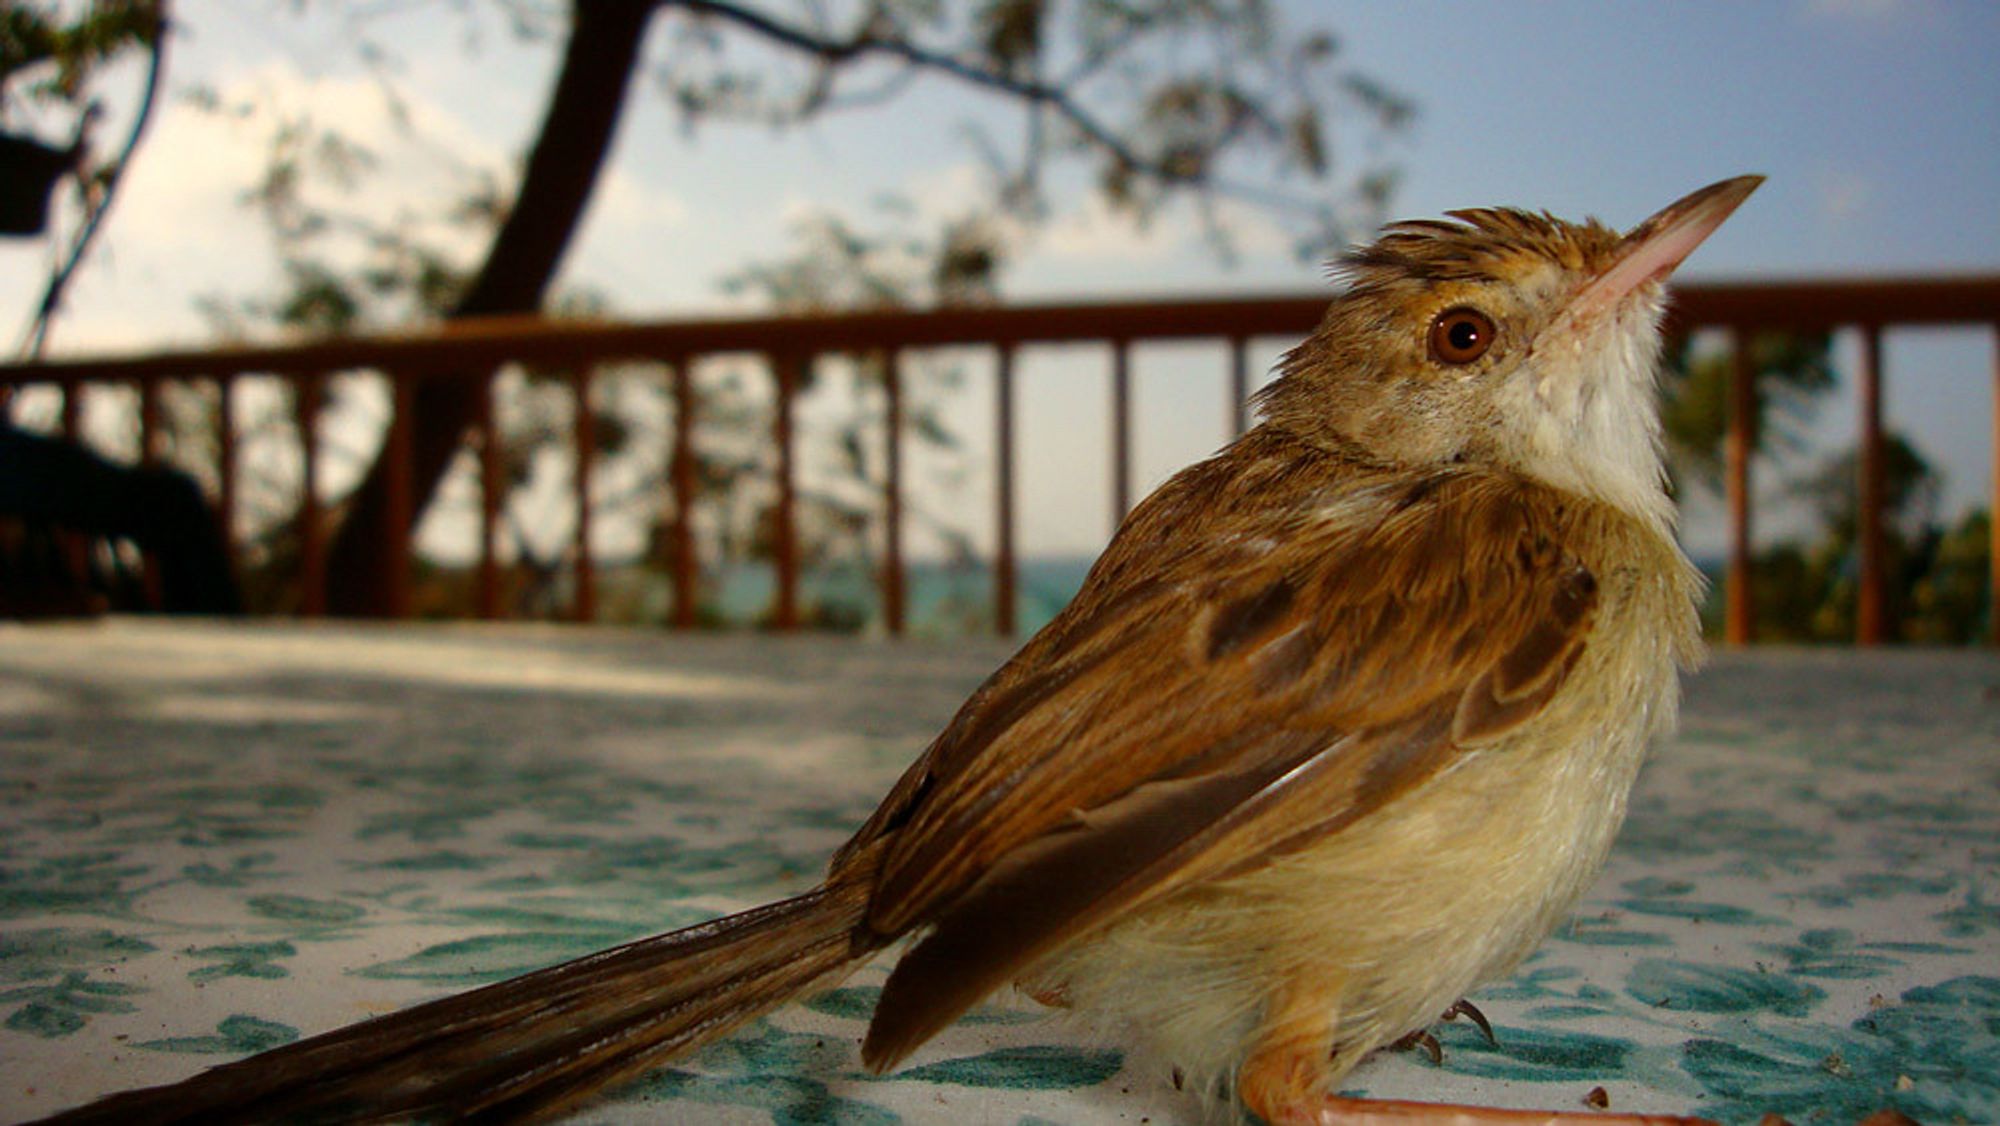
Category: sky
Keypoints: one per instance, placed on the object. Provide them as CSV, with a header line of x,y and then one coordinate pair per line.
x,y
1876,122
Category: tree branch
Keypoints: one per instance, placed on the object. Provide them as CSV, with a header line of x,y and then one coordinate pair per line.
x,y
868,43
38,333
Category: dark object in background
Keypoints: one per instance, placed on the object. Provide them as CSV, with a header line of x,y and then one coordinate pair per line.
x,y
44,573
29,170
48,482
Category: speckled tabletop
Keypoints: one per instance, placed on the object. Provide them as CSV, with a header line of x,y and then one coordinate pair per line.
x,y
220,838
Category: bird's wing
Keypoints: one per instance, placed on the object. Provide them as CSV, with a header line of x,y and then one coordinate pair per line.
x,y
1336,649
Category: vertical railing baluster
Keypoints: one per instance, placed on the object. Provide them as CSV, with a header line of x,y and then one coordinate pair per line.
x,y
785,544
75,548
1871,626
1239,382
225,465
1741,624
1003,473
1121,431
685,585
149,458
892,498
491,483
401,519
150,439
312,529
584,608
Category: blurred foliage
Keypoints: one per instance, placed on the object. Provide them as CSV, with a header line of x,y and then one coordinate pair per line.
x,y
50,53
53,58
1205,100
1936,572
1948,599
1789,373
1910,490
1808,591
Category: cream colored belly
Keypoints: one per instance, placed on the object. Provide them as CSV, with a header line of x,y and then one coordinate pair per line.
x,y
1391,921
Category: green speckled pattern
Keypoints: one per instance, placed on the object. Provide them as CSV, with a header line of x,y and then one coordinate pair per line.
x,y
217,839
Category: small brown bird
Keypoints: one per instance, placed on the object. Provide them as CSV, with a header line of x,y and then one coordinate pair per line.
x,y
1339,726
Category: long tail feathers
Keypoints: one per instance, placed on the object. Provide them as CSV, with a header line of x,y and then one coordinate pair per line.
x,y
533,1045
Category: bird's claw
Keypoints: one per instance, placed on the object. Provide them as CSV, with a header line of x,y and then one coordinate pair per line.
x,y
1421,1038
1466,1009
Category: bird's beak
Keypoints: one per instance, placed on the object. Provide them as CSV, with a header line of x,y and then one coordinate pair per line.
x,y
1656,246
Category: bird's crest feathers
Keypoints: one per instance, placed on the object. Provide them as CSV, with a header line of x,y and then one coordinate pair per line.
x,y
1474,244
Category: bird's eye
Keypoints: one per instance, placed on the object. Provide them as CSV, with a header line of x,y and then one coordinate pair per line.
x,y
1461,335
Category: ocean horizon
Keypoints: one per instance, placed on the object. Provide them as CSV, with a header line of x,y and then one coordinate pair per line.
x,y
944,599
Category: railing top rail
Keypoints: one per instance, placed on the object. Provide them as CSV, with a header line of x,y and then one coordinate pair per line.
x,y
1825,303
483,341
473,346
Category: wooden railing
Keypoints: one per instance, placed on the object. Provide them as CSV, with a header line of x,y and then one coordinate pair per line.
x,y
475,349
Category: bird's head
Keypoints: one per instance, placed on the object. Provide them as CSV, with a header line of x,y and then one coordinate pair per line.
x,y
1506,339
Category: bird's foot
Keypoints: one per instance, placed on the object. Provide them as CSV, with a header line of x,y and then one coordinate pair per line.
x,y
1422,1038
1333,1110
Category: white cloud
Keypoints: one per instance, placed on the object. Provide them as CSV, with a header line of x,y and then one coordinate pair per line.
x,y
180,229
1093,231
627,207
176,231
1090,232
947,189
420,153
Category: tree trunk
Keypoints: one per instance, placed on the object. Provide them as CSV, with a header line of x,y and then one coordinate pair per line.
x,y
562,170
